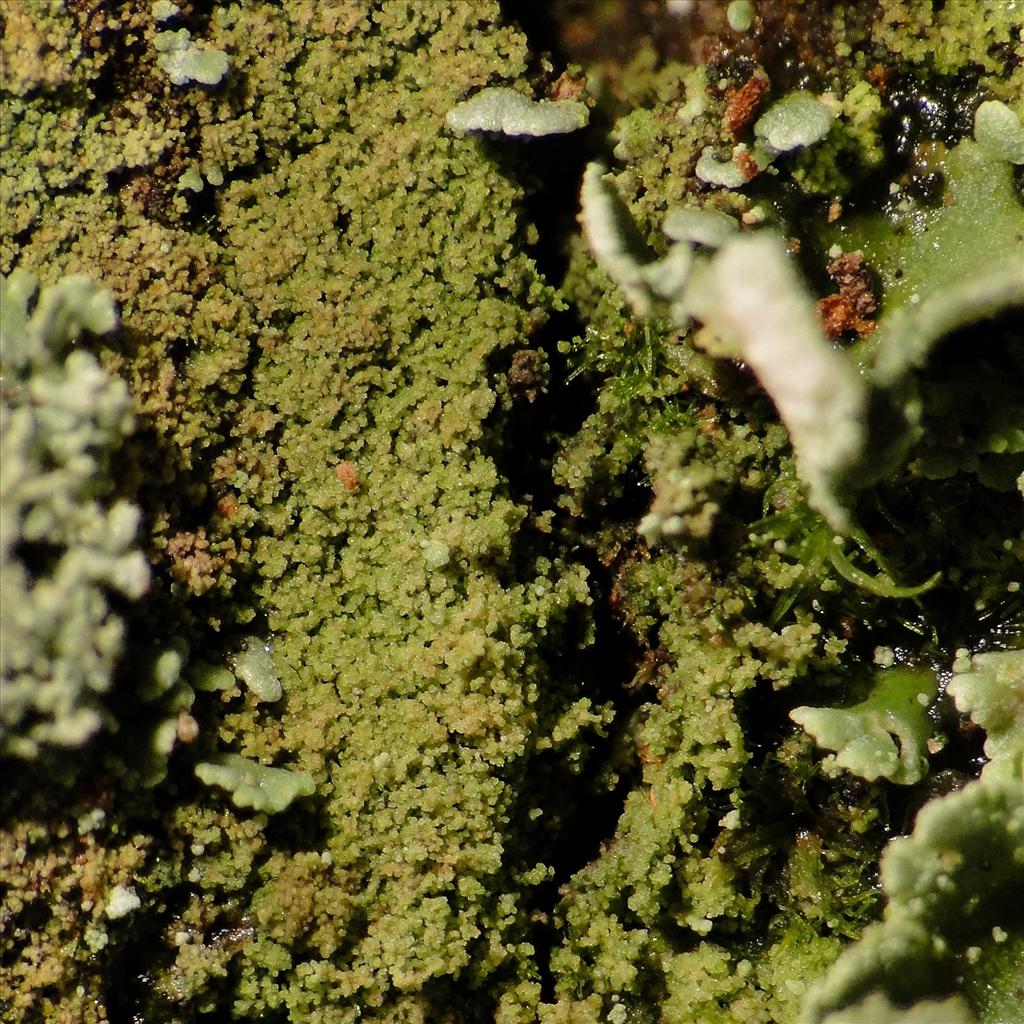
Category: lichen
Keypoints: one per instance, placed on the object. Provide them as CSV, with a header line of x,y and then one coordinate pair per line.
x,y
503,110
989,687
185,62
753,300
950,910
662,400
538,765
796,120
254,666
885,735
998,131
254,785
67,547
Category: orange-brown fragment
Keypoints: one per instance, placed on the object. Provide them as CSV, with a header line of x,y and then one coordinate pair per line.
x,y
707,420
747,164
836,315
646,757
192,564
878,76
228,506
849,308
568,87
345,471
186,728
744,102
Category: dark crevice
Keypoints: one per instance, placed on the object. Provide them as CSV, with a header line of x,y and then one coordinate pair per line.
x,y
584,804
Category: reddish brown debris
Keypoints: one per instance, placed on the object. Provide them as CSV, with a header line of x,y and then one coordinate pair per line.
x,y
878,76
527,376
707,420
192,564
747,164
345,471
849,308
851,275
568,87
836,315
744,103
228,506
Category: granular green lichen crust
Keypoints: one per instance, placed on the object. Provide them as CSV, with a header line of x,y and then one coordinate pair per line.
x,y
313,346
429,805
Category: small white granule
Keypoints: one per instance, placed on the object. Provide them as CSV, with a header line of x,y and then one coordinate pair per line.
x,y
123,900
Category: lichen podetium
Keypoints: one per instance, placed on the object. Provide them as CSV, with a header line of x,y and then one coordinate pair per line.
x,y
490,551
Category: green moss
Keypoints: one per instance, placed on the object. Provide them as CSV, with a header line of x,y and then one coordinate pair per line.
x,y
852,150
359,283
946,39
727,613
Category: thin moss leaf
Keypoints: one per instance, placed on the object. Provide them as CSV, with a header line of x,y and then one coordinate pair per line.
x,y
255,785
508,112
882,585
798,119
752,297
953,890
997,129
990,688
884,736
